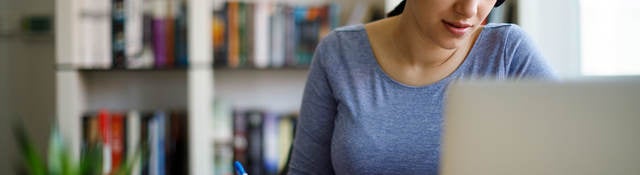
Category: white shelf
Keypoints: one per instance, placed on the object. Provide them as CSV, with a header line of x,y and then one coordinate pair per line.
x,y
280,90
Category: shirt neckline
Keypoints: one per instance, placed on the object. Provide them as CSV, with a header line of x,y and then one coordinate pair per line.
x,y
448,78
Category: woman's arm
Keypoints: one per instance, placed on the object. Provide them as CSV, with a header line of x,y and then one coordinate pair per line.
x,y
311,152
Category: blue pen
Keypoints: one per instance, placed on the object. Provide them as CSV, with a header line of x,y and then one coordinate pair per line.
x,y
239,168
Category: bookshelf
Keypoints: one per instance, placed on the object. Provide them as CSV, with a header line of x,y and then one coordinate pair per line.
x,y
81,89
194,88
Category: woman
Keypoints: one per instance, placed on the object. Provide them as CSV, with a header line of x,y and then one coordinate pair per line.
x,y
373,101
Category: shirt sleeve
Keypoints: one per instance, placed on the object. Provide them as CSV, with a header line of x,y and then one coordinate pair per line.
x,y
526,60
311,153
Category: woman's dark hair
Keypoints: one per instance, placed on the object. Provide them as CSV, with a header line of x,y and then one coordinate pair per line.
x,y
398,10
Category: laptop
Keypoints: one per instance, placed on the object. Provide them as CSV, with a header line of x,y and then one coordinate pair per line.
x,y
578,127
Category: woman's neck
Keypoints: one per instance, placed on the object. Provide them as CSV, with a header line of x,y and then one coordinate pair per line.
x,y
414,48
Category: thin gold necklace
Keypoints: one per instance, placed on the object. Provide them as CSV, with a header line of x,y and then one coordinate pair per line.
x,y
395,45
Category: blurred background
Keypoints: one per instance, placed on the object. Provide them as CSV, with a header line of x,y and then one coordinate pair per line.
x,y
198,83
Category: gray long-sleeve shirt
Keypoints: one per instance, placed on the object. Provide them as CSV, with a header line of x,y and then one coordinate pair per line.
x,y
355,119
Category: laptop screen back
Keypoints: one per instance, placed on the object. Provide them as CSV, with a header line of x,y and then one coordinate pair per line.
x,y
578,127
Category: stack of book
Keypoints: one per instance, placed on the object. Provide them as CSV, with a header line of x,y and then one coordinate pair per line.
x,y
262,34
262,140
132,34
259,139
159,138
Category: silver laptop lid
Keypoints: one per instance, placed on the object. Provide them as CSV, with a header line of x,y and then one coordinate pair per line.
x,y
576,127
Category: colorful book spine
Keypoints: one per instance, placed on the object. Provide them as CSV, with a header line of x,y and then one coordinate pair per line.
x,y
249,36
265,34
285,139
261,34
177,148
94,48
256,142
104,125
147,59
90,132
240,140
170,31
145,140
233,9
118,141
220,36
133,140
278,32
289,40
159,28
134,34
159,43
270,145
157,143
242,33
118,39
262,140
181,51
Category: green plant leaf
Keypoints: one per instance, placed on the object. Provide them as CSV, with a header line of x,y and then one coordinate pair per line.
x,y
56,147
31,157
91,160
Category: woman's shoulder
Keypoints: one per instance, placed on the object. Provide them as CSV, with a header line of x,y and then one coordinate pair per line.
x,y
350,28
347,38
505,31
346,33
344,45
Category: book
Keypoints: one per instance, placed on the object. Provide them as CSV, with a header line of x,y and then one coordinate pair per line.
x,y
264,34
170,28
181,37
157,136
285,139
159,30
249,35
255,163
270,146
290,34
90,132
177,149
244,11
134,144
240,139
233,41
118,141
145,139
104,127
278,32
94,45
136,36
307,26
160,138
261,31
220,35
118,40
262,140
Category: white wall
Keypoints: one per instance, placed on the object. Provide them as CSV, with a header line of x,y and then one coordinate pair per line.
x,y
554,26
26,83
